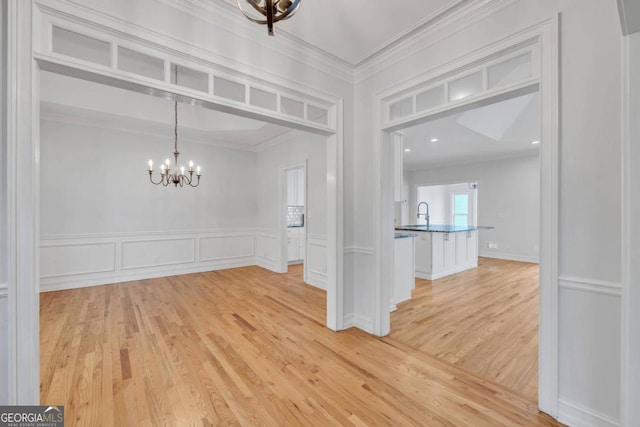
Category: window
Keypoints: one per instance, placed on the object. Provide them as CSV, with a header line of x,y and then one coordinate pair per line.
x,y
460,209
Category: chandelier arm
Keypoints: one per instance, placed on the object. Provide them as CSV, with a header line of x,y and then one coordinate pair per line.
x,y
152,181
251,18
257,7
289,12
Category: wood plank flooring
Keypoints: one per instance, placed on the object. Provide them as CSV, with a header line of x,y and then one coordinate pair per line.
x,y
245,347
483,320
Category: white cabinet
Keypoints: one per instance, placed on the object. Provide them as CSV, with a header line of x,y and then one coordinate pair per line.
x,y
297,244
404,270
295,187
442,254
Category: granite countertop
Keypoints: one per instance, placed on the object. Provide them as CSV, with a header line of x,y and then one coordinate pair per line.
x,y
439,228
405,235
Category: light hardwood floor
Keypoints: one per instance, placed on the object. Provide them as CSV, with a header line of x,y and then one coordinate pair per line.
x,y
483,320
245,347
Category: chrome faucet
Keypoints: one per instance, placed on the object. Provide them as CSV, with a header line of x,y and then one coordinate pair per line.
x,y
426,214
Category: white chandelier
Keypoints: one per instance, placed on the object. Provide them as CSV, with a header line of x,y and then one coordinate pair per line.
x,y
179,176
272,11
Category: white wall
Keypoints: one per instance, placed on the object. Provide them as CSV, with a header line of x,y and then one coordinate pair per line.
x,y
590,180
439,198
631,314
102,221
292,149
4,338
508,199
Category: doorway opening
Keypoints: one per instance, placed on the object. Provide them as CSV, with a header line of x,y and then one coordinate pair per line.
x,y
471,195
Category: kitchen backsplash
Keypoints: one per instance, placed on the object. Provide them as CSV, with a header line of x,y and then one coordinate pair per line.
x,y
295,216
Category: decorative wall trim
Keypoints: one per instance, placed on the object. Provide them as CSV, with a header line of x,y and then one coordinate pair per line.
x,y
4,290
358,250
268,249
353,320
429,34
137,256
509,257
577,416
592,286
316,267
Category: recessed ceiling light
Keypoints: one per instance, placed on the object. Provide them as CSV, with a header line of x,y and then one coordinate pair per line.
x,y
434,139
406,150
535,142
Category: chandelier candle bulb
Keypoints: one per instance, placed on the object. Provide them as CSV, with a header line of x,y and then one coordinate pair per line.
x,y
150,165
190,166
198,170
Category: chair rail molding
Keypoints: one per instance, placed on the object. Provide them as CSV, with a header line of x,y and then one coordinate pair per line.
x,y
4,290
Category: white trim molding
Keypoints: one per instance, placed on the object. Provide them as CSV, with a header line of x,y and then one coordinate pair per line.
x,y
23,178
360,250
4,290
591,286
509,257
315,266
575,415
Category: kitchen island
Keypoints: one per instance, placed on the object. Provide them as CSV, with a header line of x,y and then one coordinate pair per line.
x,y
443,250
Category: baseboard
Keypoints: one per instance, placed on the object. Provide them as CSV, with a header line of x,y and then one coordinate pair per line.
x,y
509,257
349,321
268,264
363,323
63,283
575,415
429,276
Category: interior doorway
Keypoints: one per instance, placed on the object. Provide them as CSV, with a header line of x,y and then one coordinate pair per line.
x,y
468,169
296,218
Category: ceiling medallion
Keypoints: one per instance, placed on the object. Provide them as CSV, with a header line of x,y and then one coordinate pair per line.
x,y
272,11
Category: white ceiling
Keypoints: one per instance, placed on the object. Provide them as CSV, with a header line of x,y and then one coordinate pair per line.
x,y
499,130
80,101
354,30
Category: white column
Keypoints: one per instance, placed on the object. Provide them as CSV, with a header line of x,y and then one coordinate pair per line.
x,y
22,202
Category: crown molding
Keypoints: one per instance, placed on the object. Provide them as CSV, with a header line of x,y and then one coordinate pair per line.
x,y
286,43
430,33
441,24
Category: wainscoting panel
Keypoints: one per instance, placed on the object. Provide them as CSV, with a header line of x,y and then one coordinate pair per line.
x,y
226,247
316,262
76,258
361,260
589,352
268,249
157,253
88,260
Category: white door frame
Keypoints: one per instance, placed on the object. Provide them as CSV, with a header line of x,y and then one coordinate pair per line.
x,y
544,37
23,163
